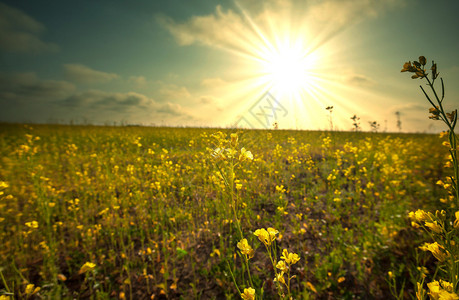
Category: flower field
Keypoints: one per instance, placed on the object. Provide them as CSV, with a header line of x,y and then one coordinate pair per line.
x,y
162,213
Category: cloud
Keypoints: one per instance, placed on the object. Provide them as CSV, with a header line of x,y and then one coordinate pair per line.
x,y
130,102
138,81
100,106
359,80
173,92
24,87
20,33
247,29
171,108
410,108
83,74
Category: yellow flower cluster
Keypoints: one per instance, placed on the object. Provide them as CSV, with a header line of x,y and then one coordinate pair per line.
x,y
245,248
290,258
437,250
441,290
266,236
248,294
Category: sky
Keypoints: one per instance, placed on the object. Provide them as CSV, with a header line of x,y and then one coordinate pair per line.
x,y
247,63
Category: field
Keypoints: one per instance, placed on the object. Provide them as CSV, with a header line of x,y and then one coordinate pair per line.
x,y
154,213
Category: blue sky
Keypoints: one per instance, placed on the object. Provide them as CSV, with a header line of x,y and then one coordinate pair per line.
x,y
211,63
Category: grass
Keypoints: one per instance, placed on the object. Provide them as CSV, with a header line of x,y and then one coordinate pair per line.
x,y
143,213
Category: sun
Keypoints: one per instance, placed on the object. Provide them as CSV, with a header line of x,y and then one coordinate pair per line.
x,y
288,69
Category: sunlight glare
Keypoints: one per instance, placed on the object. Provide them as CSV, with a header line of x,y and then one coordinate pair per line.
x,y
288,69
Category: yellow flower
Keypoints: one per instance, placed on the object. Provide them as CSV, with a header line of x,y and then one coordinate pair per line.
x,y
88,266
248,294
33,224
434,289
446,285
245,155
421,215
245,248
272,233
445,295
435,111
436,250
218,153
408,67
31,289
290,258
266,236
282,266
456,222
280,277
442,290
433,226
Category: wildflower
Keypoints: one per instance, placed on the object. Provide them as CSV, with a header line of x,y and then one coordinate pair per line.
x,y
419,215
436,250
451,116
415,68
434,289
442,290
435,113
33,224
456,222
433,226
266,236
248,294
245,155
407,67
88,266
280,277
218,153
31,289
282,266
443,134
341,279
290,258
231,152
245,248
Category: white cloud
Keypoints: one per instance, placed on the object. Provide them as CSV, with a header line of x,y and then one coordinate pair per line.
x,y
20,33
83,74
